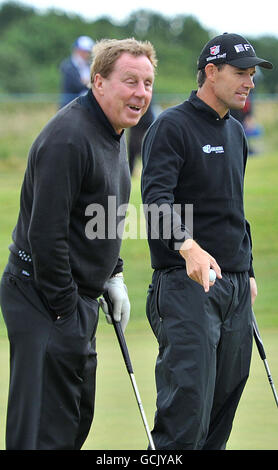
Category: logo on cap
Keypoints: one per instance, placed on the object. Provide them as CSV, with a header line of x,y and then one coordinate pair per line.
x,y
243,47
214,50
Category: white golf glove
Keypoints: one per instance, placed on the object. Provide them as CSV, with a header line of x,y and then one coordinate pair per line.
x,y
118,295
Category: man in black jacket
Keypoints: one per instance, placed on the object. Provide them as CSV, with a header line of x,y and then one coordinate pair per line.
x,y
194,159
65,251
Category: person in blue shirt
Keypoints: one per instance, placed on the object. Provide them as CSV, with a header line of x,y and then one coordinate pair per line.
x,y
75,70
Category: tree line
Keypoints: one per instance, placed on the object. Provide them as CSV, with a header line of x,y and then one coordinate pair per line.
x,y
33,44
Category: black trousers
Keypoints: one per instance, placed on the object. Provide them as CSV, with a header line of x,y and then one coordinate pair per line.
x,y
205,344
52,367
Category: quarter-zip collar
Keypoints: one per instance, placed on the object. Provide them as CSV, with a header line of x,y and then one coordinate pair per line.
x,y
89,101
200,105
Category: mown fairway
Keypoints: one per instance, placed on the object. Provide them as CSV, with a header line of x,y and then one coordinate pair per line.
x,y
117,423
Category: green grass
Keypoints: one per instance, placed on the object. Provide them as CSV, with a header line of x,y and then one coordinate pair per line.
x,y
117,424
261,195
256,422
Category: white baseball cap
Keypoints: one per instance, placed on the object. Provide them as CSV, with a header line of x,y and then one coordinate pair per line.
x,y
85,43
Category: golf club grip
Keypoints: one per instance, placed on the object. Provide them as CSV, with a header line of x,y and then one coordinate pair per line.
x,y
119,333
258,339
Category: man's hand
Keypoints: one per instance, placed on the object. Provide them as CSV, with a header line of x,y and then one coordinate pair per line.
x,y
118,295
198,263
254,290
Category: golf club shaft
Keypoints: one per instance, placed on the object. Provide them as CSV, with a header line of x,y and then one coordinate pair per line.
x,y
125,353
261,350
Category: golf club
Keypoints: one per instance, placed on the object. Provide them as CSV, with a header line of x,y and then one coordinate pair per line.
x,y
125,353
261,350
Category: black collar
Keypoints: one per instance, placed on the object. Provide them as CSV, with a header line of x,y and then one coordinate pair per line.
x,y
90,103
202,106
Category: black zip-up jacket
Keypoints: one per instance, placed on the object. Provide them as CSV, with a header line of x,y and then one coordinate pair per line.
x,y
192,156
76,161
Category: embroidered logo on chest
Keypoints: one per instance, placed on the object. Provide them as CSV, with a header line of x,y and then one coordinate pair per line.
x,y
208,149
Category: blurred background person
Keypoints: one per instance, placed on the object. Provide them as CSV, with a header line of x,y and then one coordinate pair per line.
x,y
75,70
136,135
246,116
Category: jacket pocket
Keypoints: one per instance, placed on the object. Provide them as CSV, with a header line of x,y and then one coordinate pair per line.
x,y
153,310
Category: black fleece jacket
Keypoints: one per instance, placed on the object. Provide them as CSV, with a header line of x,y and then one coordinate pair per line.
x,y
192,156
76,161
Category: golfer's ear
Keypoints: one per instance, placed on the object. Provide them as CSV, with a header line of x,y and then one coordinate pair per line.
x,y
98,83
211,70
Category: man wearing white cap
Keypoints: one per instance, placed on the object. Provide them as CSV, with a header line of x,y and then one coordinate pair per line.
x,y
75,70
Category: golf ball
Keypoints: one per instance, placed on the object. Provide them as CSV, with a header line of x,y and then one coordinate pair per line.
x,y
212,275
